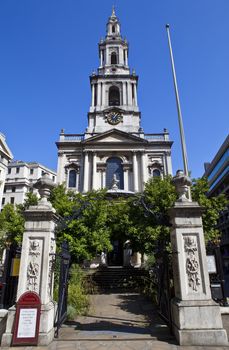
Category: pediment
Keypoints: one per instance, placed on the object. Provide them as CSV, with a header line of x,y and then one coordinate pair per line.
x,y
115,136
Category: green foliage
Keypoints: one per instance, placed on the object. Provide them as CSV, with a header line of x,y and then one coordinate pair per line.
x,y
84,223
92,220
149,229
212,207
31,199
78,301
11,225
12,220
118,218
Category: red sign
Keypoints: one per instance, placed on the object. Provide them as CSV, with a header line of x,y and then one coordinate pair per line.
x,y
27,319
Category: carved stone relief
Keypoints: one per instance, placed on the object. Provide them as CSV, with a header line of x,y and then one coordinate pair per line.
x,y
51,266
192,262
34,263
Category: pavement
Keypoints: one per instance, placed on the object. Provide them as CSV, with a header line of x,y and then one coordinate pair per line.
x,y
122,321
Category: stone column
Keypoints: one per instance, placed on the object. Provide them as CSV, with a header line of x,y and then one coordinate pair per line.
x,y
101,58
143,169
99,95
104,178
61,167
169,162
94,172
92,95
104,94
135,172
135,94
126,57
36,266
196,317
124,92
85,174
130,101
126,177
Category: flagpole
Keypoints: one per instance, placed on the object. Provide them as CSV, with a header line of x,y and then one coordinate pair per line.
x,y
182,136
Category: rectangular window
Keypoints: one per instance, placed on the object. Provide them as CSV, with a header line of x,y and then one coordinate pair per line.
x,y
3,200
31,171
12,200
9,170
53,178
13,189
17,170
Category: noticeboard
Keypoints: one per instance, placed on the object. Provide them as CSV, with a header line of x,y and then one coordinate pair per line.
x,y
211,264
27,319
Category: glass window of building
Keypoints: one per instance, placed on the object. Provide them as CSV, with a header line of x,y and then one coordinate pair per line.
x,y
156,173
114,167
72,179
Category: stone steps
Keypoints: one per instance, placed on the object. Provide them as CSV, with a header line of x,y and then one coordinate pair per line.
x,y
118,278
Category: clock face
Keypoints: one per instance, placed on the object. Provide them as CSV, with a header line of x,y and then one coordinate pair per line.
x,y
114,117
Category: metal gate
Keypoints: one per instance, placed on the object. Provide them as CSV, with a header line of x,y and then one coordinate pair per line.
x,y
61,316
165,287
9,278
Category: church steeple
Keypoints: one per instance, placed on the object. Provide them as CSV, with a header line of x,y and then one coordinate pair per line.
x,y
114,88
113,26
113,51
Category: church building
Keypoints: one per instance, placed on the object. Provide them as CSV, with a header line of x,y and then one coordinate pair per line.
x,y
113,152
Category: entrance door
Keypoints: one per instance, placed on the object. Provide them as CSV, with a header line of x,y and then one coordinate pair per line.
x,y
115,257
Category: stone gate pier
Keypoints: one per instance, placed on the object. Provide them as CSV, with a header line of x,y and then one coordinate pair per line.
x,y
196,317
36,266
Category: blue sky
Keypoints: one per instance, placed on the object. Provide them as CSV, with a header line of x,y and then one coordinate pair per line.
x,y
49,49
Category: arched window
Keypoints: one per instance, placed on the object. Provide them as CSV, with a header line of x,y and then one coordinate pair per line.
x,y
113,29
114,96
113,58
72,178
156,173
114,167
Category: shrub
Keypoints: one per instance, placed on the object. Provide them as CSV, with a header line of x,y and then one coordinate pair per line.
x,y
78,301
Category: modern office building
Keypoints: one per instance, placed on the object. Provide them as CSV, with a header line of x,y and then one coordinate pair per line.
x,y
217,173
5,157
20,179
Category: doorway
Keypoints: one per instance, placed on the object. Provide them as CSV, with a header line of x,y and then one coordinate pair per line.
x,y
115,257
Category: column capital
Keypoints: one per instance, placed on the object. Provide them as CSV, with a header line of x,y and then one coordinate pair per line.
x,y
61,153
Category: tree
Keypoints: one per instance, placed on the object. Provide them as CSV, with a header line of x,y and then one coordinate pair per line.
x,y
118,218
30,199
150,227
149,215
212,207
11,225
84,222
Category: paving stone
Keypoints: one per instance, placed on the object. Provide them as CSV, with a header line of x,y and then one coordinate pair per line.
x,y
118,322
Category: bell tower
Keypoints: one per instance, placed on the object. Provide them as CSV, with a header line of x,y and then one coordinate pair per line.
x,y
114,102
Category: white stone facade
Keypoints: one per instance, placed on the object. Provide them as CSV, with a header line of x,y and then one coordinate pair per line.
x,y
5,157
20,179
114,142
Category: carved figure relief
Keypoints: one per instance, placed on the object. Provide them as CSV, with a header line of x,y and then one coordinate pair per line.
x,y
32,274
192,264
51,267
34,248
33,268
